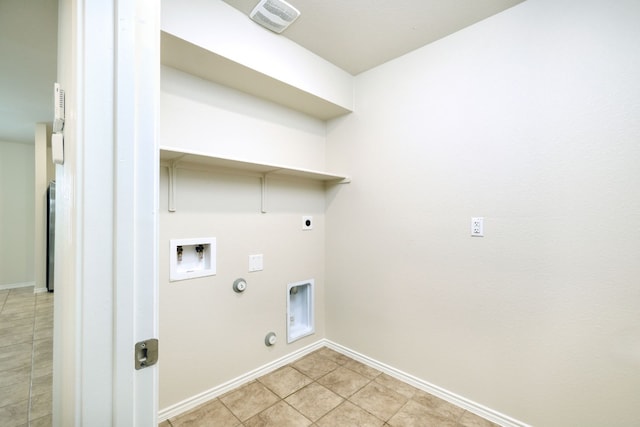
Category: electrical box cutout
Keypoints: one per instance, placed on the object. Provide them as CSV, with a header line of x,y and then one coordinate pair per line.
x,y
192,258
300,302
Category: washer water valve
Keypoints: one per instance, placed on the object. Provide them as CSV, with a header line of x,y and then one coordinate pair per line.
x,y
270,339
200,251
239,285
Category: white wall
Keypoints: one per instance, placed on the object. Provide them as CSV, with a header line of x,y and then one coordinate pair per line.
x,y
208,333
208,118
530,119
225,31
17,213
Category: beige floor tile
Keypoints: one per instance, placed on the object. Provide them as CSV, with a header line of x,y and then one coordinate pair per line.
x,y
45,421
412,414
333,355
18,323
285,381
42,333
42,350
343,381
41,405
278,415
7,340
362,369
46,310
164,424
15,375
15,414
12,296
374,398
25,291
44,298
472,420
42,368
249,400
43,321
314,401
314,366
396,385
349,415
210,414
379,400
15,356
14,393
10,317
437,406
18,304
42,385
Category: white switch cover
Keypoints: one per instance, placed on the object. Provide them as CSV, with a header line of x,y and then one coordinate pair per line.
x,y
256,262
477,227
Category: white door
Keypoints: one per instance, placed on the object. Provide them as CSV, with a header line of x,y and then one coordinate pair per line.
x,y
106,277
137,164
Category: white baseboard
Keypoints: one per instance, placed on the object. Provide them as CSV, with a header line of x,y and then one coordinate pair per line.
x,y
40,290
214,392
443,394
450,397
17,285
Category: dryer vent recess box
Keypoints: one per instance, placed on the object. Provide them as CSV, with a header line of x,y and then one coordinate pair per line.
x,y
191,258
300,310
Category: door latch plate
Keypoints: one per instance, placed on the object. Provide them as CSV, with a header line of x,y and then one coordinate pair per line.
x,y
146,353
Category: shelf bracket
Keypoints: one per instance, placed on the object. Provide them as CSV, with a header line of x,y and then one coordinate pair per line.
x,y
172,186
263,193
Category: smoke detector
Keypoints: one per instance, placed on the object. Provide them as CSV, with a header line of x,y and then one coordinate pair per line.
x,y
275,15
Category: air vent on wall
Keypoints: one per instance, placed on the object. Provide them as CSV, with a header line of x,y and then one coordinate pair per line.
x,y
275,15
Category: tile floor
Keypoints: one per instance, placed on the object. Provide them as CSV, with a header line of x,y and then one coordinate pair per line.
x,y
26,357
327,389
322,389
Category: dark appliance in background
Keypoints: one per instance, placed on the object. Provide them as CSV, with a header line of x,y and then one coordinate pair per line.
x,y
51,230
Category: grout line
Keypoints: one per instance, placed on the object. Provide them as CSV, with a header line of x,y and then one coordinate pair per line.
x,y
6,296
33,333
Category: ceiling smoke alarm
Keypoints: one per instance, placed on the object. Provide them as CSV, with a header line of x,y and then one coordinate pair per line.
x,y
275,15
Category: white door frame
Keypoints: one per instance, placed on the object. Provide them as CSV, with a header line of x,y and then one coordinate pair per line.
x,y
106,295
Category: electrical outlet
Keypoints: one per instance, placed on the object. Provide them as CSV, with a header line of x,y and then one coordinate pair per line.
x,y
477,227
307,223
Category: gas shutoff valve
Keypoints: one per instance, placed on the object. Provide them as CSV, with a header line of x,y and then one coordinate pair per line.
x,y
270,339
239,285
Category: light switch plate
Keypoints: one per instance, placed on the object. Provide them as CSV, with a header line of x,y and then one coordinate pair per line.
x,y
256,262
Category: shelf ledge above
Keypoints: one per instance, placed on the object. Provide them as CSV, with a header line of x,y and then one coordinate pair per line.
x,y
170,157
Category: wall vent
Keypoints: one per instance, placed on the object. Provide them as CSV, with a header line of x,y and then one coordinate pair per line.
x,y
275,15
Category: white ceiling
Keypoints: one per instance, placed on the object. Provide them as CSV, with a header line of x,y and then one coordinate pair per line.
x,y
28,48
355,35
